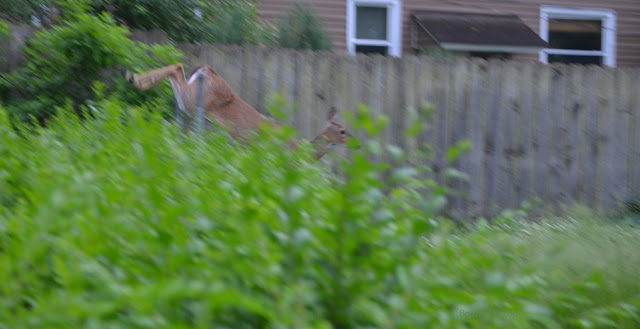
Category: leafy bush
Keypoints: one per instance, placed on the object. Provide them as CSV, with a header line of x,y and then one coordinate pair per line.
x,y
63,64
204,231
120,221
4,30
301,29
221,21
22,10
5,34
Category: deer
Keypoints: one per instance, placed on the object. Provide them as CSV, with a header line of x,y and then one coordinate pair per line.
x,y
223,107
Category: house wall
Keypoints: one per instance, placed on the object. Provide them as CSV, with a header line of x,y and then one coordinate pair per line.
x,y
333,13
628,18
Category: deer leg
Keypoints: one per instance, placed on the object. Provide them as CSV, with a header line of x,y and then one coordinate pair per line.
x,y
149,79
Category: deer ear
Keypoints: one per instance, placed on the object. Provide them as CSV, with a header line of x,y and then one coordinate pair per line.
x,y
332,113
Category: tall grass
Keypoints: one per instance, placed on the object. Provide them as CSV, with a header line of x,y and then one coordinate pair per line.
x,y
121,222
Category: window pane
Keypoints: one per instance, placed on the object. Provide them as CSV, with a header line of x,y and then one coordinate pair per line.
x,y
371,23
383,50
575,59
575,34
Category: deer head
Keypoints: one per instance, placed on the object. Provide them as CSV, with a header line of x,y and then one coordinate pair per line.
x,y
332,134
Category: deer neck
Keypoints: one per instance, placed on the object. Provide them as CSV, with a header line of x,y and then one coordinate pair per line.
x,y
322,145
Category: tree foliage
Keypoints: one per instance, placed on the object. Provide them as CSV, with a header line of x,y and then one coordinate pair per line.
x,y
22,10
302,29
215,21
63,64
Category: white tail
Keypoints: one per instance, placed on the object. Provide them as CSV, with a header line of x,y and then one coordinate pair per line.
x,y
224,107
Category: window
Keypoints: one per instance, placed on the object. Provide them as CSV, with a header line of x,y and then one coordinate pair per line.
x,y
373,26
582,36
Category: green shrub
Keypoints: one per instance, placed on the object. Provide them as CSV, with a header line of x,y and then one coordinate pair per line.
x,y
21,10
225,22
145,228
119,221
222,21
4,30
63,64
302,29
5,37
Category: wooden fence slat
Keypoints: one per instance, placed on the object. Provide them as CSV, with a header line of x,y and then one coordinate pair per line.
x,y
477,133
555,166
620,137
352,95
258,76
634,134
450,98
377,87
352,80
459,128
590,135
393,109
441,80
581,137
235,60
269,80
280,72
402,111
288,87
343,93
525,124
425,95
340,90
218,60
574,114
411,67
542,133
492,170
319,67
606,130
365,76
249,78
506,149
534,143
306,97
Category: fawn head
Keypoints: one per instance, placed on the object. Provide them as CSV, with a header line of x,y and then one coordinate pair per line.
x,y
334,133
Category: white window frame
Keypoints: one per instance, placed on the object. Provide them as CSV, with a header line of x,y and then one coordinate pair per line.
x,y
394,26
608,18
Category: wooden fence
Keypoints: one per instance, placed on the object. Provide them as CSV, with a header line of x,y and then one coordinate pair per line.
x,y
562,134
558,133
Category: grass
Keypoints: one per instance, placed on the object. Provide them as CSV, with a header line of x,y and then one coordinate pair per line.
x,y
121,222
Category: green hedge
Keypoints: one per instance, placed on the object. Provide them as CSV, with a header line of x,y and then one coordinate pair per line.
x,y
119,221
79,61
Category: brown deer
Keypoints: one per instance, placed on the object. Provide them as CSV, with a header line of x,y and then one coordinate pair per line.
x,y
222,106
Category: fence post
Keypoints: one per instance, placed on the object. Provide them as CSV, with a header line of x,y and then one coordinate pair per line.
x,y
200,119
178,114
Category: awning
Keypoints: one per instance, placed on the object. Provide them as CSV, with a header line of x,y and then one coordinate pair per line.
x,y
477,32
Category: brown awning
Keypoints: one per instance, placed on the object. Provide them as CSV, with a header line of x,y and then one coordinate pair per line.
x,y
486,32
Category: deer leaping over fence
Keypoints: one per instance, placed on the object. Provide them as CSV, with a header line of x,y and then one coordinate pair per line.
x,y
222,106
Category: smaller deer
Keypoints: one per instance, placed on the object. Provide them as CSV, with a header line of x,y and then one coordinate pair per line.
x,y
224,107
